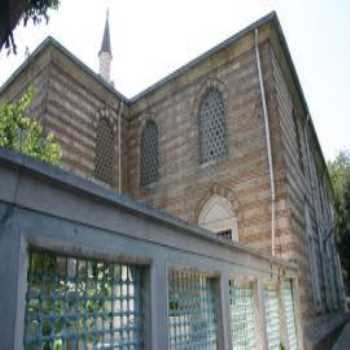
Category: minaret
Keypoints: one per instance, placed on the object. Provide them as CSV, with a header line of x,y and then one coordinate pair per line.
x,y
105,54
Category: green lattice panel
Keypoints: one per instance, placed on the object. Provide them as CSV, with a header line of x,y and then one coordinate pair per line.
x,y
272,318
192,316
75,303
290,315
242,317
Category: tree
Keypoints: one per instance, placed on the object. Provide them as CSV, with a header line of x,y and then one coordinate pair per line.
x,y
11,11
339,170
340,173
344,233
20,133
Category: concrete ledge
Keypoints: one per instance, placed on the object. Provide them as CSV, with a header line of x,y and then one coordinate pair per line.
x,y
22,167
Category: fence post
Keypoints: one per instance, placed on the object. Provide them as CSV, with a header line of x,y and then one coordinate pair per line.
x,y
157,326
298,312
13,270
223,315
260,315
282,315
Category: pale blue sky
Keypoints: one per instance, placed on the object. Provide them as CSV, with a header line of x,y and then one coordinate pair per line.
x,y
152,38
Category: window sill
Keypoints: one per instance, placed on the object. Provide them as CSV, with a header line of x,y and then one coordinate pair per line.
x,y
152,187
210,163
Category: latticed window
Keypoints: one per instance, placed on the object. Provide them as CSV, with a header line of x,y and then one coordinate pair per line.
x,y
242,317
104,161
149,153
75,303
272,312
287,295
212,126
298,140
314,257
192,316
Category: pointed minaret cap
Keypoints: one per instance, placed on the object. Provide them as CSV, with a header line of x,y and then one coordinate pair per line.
x,y
105,54
106,40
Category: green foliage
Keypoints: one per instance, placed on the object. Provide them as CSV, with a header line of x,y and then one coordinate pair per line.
x,y
35,10
22,134
339,170
340,173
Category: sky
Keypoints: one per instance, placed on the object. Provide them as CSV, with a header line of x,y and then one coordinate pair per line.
x,y
152,38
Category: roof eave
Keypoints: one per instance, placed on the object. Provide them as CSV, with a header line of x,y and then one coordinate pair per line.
x,y
46,44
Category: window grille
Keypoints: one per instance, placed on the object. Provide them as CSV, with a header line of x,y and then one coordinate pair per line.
x,y
298,141
212,126
272,318
149,154
242,317
74,303
104,159
192,316
287,294
314,257
227,234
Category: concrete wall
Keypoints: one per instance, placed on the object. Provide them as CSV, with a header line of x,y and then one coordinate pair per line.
x,y
48,208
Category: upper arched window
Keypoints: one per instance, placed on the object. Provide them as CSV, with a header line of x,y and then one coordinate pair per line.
x,y
212,126
149,153
104,161
218,216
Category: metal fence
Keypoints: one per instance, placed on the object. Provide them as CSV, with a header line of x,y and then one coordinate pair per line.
x,y
273,322
243,318
82,304
289,307
192,311
76,303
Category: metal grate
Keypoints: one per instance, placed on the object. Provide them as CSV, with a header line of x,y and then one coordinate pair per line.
x,y
149,154
212,126
82,304
192,317
314,257
242,317
227,234
104,158
272,318
288,302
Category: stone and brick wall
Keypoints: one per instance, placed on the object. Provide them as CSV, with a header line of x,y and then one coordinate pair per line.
x,y
242,176
69,103
305,182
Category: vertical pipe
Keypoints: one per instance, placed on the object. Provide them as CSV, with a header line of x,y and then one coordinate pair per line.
x,y
120,148
268,142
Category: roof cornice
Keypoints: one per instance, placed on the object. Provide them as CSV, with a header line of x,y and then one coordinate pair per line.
x,y
52,42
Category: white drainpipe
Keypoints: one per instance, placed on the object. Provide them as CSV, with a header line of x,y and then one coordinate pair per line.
x,y
268,143
120,148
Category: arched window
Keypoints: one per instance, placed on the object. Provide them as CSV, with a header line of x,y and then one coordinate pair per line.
x,y
149,153
212,126
104,161
218,216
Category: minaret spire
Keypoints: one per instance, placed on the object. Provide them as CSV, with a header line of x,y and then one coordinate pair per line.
x,y
105,54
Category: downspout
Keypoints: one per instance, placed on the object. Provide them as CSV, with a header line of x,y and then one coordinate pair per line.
x,y
120,148
268,143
